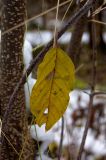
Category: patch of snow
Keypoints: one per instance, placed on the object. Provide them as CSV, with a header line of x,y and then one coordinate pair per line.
x,y
27,53
51,24
27,89
65,38
85,38
35,38
44,157
41,135
43,37
27,58
74,95
98,148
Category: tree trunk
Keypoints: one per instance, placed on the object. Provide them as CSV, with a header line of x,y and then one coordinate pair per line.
x,y
11,67
74,47
99,29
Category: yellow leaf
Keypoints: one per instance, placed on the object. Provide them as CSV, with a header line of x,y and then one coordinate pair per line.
x,y
50,94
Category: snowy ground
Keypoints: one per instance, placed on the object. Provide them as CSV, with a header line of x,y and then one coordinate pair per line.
x,y
96,146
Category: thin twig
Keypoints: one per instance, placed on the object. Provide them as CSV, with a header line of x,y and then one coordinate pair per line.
x,y
85,129
34,17
67,11
99,93
61,139
99,22
38,143
55,29
79,67
101,8
94,56
92,91
22,81
9,142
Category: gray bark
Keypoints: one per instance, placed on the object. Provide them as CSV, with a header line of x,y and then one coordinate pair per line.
x,y
11,67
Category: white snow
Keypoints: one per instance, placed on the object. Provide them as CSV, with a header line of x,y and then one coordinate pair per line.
x,y
27,58
96,146
43,37
65,38
39,133
35,38
27,53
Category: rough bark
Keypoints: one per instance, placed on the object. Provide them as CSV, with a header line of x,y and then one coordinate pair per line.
x,y
11,67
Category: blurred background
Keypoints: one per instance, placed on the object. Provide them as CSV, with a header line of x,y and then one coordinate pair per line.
x,y
78,43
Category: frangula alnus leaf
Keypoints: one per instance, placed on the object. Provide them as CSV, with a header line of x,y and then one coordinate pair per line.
x,y
50,94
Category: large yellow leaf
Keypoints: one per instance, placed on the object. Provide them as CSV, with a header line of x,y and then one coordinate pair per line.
x,y
50,95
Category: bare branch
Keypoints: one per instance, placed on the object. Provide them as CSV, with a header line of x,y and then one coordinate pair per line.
x,y
92,90
61,139
99,93
86,128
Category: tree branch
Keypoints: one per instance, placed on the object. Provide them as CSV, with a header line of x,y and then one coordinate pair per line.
x,y
86,128
61,139
71,21
92,89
